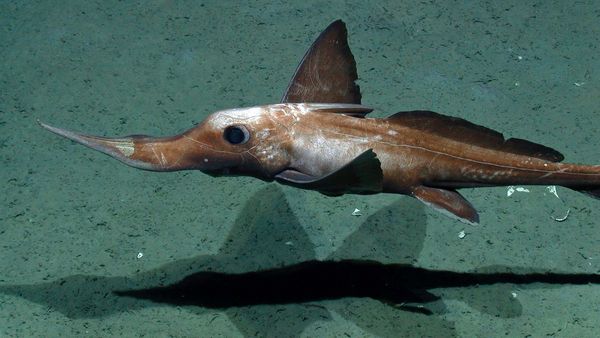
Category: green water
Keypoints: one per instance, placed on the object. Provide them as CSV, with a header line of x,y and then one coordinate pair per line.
x,y
76,226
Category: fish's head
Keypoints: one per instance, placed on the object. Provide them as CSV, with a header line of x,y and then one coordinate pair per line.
x,y
244,141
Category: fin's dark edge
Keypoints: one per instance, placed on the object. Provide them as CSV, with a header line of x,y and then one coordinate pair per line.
x,y
327,72
464,131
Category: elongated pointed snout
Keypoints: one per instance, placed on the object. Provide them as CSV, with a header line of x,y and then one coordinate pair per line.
x,y
180,152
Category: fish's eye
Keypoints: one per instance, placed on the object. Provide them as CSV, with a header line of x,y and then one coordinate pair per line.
x,y
236,134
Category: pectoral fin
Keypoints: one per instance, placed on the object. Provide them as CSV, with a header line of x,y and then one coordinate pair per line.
x,y
363,175
447,201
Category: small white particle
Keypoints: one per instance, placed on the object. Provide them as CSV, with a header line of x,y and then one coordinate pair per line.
x,y
510,191
462,234
513,294
552,190
289,243
205,160
520,57
140,255
356,212
564,218
517,84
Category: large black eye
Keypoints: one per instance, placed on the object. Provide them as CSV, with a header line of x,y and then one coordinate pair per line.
x,y
236,134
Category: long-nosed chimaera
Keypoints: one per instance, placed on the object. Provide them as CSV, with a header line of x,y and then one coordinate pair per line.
x,y
319,138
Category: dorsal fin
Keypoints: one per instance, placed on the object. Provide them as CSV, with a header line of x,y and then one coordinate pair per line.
x,y
464,131
327,72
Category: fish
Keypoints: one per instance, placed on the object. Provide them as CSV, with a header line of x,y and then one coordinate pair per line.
x,y
319,137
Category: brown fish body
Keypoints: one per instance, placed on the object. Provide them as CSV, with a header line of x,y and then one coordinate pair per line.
x,y
320,138
410,157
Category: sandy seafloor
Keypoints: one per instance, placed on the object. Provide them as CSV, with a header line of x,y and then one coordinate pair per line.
x,y
73,221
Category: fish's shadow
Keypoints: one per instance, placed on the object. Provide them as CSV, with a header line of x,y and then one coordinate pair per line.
x,y
268,287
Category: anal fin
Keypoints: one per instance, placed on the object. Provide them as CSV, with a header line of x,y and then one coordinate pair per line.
x,y
592,191
448,202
